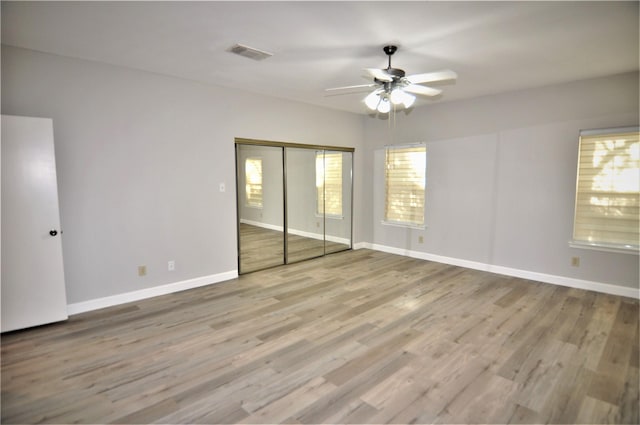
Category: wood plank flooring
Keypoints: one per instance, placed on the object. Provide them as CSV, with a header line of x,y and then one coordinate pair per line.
x,y
354,337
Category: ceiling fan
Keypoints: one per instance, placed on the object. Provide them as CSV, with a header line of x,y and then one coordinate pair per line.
x,y
393,87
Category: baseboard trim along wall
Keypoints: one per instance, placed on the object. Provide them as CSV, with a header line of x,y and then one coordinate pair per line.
x,y
155,291
113,300
606,288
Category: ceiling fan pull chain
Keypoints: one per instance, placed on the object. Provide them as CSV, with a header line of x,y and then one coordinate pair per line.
x,y
394,118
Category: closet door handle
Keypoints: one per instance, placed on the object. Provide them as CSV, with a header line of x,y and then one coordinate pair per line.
x,y
53,232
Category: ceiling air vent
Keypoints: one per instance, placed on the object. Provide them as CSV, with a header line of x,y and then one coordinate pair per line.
x,y
249,52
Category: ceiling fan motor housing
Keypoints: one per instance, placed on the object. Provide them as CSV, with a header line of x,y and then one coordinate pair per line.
x,y
396,73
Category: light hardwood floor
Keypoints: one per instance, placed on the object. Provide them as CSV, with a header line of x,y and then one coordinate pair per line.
x,y
354,337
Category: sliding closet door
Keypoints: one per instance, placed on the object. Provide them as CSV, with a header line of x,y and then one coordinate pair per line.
x,y
260,207
305,221
335,195
294,202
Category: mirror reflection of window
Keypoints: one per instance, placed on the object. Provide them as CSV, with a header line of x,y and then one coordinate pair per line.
x,y
329,184
253,174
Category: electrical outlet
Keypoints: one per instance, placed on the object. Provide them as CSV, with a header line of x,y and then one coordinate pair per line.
x,y
142,271
317,224
222,187
575,261
420,239
171,265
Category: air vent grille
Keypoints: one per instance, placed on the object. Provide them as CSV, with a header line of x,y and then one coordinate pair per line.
x,y
249,52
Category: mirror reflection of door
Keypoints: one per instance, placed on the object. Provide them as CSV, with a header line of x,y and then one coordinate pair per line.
x,y
260,207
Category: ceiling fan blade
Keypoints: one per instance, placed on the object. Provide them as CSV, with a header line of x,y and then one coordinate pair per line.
x,y
359,86
379,74
430,77
425,91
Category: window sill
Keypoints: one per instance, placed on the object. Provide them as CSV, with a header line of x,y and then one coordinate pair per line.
x,y
405,225
630,250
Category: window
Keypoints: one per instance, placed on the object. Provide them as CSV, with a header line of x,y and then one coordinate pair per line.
x,y
253,176
608,189
405,173
329,184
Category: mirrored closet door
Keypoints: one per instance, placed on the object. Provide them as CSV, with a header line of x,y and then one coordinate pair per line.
x,y
294,202
260,207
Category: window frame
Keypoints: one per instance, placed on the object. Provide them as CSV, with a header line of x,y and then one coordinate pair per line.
x,y
598,245
398,223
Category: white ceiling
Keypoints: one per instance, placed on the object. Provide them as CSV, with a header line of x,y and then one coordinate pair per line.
x,y
493,46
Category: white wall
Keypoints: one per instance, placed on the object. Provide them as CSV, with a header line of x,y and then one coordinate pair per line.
x,y
501,176
140,157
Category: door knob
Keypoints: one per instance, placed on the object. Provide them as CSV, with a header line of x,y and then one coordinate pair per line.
x,y
53,232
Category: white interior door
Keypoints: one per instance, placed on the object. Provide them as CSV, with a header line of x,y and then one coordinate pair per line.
x,y
32,278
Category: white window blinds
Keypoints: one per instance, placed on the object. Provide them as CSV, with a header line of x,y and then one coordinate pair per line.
x,y
405,172
329,183
253,188
608,189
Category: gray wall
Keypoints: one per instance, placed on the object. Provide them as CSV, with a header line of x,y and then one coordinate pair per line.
x,y
140,157
501,176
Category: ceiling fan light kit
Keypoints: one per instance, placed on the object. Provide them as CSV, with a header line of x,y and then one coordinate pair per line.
x,y
393,87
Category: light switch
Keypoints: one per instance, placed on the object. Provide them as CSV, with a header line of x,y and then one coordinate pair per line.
x,y
222,187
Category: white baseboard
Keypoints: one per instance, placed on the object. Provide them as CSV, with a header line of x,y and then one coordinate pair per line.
x,y
589,285
304,234
169,288
362,245
155,291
